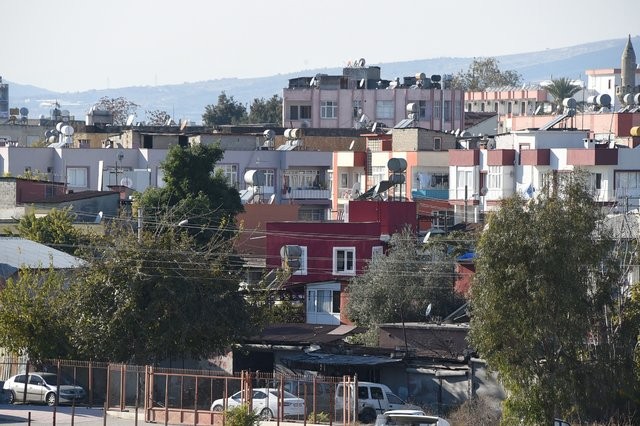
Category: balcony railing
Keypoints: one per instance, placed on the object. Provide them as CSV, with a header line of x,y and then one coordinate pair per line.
x,y
306,194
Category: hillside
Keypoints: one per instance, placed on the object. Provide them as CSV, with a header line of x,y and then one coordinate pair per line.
x,y
188,100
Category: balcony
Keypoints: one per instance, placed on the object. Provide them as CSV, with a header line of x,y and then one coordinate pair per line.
x,y
289,193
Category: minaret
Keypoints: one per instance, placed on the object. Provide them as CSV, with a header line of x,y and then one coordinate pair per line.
x,y
628,75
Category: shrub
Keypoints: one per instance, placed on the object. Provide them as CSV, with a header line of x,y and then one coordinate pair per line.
x,y
241,416
320,417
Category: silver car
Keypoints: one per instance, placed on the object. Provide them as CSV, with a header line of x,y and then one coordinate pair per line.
x,y
42,387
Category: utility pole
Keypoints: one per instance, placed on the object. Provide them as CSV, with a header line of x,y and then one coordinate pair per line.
x,y
466,199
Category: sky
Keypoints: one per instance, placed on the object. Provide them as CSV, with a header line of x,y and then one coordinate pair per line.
x,y
80,45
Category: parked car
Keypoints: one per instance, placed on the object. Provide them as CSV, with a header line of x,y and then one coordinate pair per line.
x,y
409,418
42,387
373,399
265,403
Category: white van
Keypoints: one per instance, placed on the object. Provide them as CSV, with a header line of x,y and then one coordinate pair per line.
x,y
373,399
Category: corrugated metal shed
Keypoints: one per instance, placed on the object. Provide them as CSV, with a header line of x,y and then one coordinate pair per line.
x,y
18,252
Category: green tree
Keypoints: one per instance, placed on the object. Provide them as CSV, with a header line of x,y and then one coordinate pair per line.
x,y
55,229
484,73
266,111
541,305
560,89
34,315
160,297
120,108
399,286
193,191
157,117
226,111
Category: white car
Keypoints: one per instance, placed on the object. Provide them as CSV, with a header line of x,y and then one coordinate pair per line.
x,y
265,403
41,387
409,418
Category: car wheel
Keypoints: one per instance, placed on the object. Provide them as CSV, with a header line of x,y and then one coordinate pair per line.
x,y
367,416
50,399
11,397
216,408
266,414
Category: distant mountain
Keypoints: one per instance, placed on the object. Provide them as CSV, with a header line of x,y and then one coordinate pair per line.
x,y
188,100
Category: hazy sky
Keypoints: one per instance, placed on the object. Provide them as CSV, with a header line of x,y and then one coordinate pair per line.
x,y
78,45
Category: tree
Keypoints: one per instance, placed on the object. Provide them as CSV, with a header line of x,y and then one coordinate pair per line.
x,y
400,286
485,73
34,315
226,111
267,111
560,89
193,191
157,117
159,297
55,229
120,108
541,304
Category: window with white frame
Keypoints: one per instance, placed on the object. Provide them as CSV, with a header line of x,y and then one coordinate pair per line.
x,y
494,177
302,179
378,174
384,109
77,177
323,300
329,109
302,270
230,171
464,178
268,177
344,261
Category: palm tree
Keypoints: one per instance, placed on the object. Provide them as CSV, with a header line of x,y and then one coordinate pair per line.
x,y
560,89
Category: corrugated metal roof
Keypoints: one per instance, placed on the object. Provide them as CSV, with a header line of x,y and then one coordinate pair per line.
x,y
18,252
333,359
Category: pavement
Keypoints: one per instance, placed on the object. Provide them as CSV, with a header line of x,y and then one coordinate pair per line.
x,y
42,415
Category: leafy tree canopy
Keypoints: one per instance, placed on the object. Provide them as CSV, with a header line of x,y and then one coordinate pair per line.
x,y
266,111
157,117
484,73
543,300
55,229
120,108
34,315
226,111
400,286
158,297
560,89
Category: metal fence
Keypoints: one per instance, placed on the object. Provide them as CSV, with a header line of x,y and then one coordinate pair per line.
x,y
178,396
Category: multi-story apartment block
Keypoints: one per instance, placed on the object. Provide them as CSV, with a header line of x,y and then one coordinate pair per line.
x,y
360,97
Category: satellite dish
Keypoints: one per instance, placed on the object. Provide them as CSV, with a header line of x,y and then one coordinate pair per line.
x,y
483,191
24,111
59,126
126,181
351,145
67,130
130,119
428,311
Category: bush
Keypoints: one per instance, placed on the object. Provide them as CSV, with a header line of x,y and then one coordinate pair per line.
x,y
321,417
241,416
476,411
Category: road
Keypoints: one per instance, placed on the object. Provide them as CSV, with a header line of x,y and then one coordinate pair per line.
x,y
42,415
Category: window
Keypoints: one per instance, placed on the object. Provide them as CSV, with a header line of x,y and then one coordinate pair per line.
x,y
469,106
77,177
437,107
344,180
447,111
464,178
357,108
422,110
437,144
509,107
384,109
329,109
230,171
293,112
268,177
596,181
299,112
344,261
324,301
302,179
494,177
376,393
302,270
378,174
